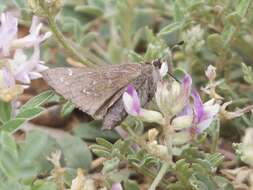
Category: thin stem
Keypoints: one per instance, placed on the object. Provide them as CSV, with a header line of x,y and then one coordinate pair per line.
x,y
168,132
159,176
63,41
215,137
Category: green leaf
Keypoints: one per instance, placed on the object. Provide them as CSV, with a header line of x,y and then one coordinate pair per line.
x,y
76,152
172,27
130,185
178,13
34,151
30,113
67,109
92,130
110,165
13,125
243,7
223,183
233,18
34,146
228,34
5,111
2,8
88,38
215,42
38,100
104,143
90,10
41,185
8,144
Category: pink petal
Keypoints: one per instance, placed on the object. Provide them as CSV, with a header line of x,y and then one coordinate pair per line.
x,y
35,75
8,78
131,101
41,67
198,107
187,82
210,113
23,78
116,186
8,32
34,38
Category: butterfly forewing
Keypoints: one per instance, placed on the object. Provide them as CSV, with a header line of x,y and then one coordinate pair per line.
x,y
92,90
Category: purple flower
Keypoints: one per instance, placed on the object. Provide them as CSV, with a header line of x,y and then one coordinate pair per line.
x,y
132,101
133,107
34,38
7,80
8,89
204,114
25,69
116,186
8,32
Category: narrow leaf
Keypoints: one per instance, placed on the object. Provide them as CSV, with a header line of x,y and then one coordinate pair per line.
x,y
13,125
243,7
170,28
5,111
67,108
38,100
30,113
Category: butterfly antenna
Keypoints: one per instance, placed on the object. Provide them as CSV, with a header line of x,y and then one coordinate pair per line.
x,y
175,78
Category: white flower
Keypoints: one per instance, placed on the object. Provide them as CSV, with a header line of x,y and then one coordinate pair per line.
x,y
25,69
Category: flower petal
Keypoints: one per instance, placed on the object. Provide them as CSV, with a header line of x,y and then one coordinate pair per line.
x,y
210,113
182,122
34,38
8,79
116,186
131,101
164,69
8,32
198,107
151,116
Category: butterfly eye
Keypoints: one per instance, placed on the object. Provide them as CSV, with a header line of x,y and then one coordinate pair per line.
x,y
157,63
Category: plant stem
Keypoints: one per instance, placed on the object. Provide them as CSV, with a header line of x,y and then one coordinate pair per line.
x,y
63,41
159,176
168,131
215,137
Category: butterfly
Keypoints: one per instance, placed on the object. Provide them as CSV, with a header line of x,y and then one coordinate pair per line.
x,y
98,91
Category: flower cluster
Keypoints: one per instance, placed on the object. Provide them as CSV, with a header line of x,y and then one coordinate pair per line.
x,y
16,69
180,106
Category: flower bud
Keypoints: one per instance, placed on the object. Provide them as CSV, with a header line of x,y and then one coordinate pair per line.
x,y
181,137
211,73
247,147
152,134
45,7
172,98
182,122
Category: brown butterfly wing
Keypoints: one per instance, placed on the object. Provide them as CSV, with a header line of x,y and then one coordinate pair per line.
x,y
145,84
93,90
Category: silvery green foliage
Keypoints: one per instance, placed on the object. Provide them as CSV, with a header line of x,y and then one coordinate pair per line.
x,y
197,169
215,32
